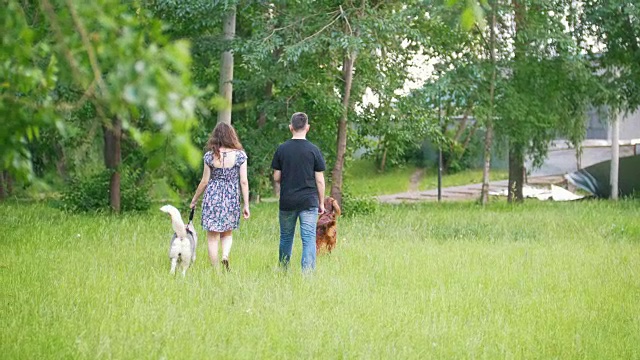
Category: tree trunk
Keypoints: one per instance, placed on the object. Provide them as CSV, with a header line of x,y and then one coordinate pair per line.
x,y
516,149
488,142
268,94
113,159
462,126
336,174
470,136
61,162
3,192
488,139
615,155
383,162
516,174
8,180
226,67
579,156
268,90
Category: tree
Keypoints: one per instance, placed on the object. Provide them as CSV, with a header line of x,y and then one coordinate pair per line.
x,y
115,58
26,91
532,83
226,66
464,80
549,89
614,47
488,141
613,28
315,56
320,57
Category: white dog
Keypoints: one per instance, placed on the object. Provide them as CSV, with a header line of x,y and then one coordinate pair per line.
x,y
184,242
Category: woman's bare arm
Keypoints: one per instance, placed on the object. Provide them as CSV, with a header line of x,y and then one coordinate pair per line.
x,y
244,186
206,174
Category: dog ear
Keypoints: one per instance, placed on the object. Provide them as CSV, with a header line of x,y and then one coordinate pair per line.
x,y
336,208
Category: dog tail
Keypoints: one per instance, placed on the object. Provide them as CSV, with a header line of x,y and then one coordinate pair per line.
x,y
176,220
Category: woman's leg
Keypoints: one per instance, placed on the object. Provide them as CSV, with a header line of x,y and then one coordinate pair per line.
x,y
213,238
227,240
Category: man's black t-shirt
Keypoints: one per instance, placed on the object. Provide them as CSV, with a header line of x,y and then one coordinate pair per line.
x,y
298,160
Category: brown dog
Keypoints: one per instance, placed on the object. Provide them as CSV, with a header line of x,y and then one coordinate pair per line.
x,y
326,227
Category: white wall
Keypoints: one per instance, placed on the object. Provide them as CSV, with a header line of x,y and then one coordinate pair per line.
x,y
630,126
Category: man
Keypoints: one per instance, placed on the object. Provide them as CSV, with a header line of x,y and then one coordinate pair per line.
x,y
298,168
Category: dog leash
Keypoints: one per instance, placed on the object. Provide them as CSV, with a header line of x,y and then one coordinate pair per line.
x,y
193,210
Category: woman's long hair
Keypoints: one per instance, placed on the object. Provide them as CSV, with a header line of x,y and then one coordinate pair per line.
x,y
223,135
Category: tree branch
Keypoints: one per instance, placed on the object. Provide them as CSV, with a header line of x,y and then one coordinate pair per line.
x,y
73,63
484,40
342,13
97,74
295,23
61,106
57,30
321,30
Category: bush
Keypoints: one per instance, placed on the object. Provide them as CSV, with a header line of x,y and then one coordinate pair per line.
x,y
91,193
455,158
358,205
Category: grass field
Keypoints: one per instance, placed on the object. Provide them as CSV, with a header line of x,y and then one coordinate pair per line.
x,y
542,280
370,182
362,178
430,181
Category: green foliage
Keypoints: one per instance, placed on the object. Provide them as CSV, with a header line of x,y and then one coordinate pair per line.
x,y
71,67
299,49
613,30
542,89
91,193
472,12
260,145
357,205
459,159
28,76
108,54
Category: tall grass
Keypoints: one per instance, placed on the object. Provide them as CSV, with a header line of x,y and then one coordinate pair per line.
x,y
542,280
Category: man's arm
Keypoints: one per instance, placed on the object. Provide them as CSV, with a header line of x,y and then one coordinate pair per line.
x,y
277,175
320,186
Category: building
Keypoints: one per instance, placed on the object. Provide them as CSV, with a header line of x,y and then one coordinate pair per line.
x,y
563,158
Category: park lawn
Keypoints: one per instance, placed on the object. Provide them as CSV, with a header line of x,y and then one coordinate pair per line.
x,y
474,176
362,178
432,281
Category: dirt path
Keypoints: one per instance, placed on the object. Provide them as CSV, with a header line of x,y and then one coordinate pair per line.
x,y
414,181
456,193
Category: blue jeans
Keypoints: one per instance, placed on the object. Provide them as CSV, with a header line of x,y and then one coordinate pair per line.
x,y
308,219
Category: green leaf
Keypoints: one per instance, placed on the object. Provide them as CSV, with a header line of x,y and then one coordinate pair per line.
x,y
468,18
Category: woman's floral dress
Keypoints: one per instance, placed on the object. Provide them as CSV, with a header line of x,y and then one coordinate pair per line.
x,y
221,201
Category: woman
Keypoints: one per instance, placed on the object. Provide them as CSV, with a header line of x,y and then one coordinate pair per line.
x,y
225,171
